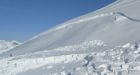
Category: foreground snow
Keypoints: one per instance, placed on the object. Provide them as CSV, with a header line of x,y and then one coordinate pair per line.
x,y
88,58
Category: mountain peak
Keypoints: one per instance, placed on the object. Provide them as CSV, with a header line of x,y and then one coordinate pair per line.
x,y
7,45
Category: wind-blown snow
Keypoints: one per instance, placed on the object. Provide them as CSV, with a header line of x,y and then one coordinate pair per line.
x,y
104,42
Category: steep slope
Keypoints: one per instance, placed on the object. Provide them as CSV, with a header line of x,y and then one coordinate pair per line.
x,y
104,42
115,24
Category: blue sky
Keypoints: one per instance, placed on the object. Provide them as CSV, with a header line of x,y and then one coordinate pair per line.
x,y
23,19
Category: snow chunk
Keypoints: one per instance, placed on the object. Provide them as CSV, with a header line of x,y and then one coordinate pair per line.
x,y
126,45
120,18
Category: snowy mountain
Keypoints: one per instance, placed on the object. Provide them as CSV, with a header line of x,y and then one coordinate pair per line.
x,y
7,45
104,42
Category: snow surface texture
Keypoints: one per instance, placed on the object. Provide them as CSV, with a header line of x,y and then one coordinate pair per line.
x,y
104,42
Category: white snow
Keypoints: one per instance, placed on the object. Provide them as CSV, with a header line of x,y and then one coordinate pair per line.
x,y
104,42
7,45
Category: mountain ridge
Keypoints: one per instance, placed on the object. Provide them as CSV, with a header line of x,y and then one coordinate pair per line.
x,y
90,28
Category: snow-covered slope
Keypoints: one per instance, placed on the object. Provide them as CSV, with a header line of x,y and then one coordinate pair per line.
x,y
104,42
115,24
7,45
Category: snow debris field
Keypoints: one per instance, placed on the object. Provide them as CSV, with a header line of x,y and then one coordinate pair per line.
x,y
103,42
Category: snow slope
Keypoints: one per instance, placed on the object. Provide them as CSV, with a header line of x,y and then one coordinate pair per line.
x,y
108,24
7,45
104,42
